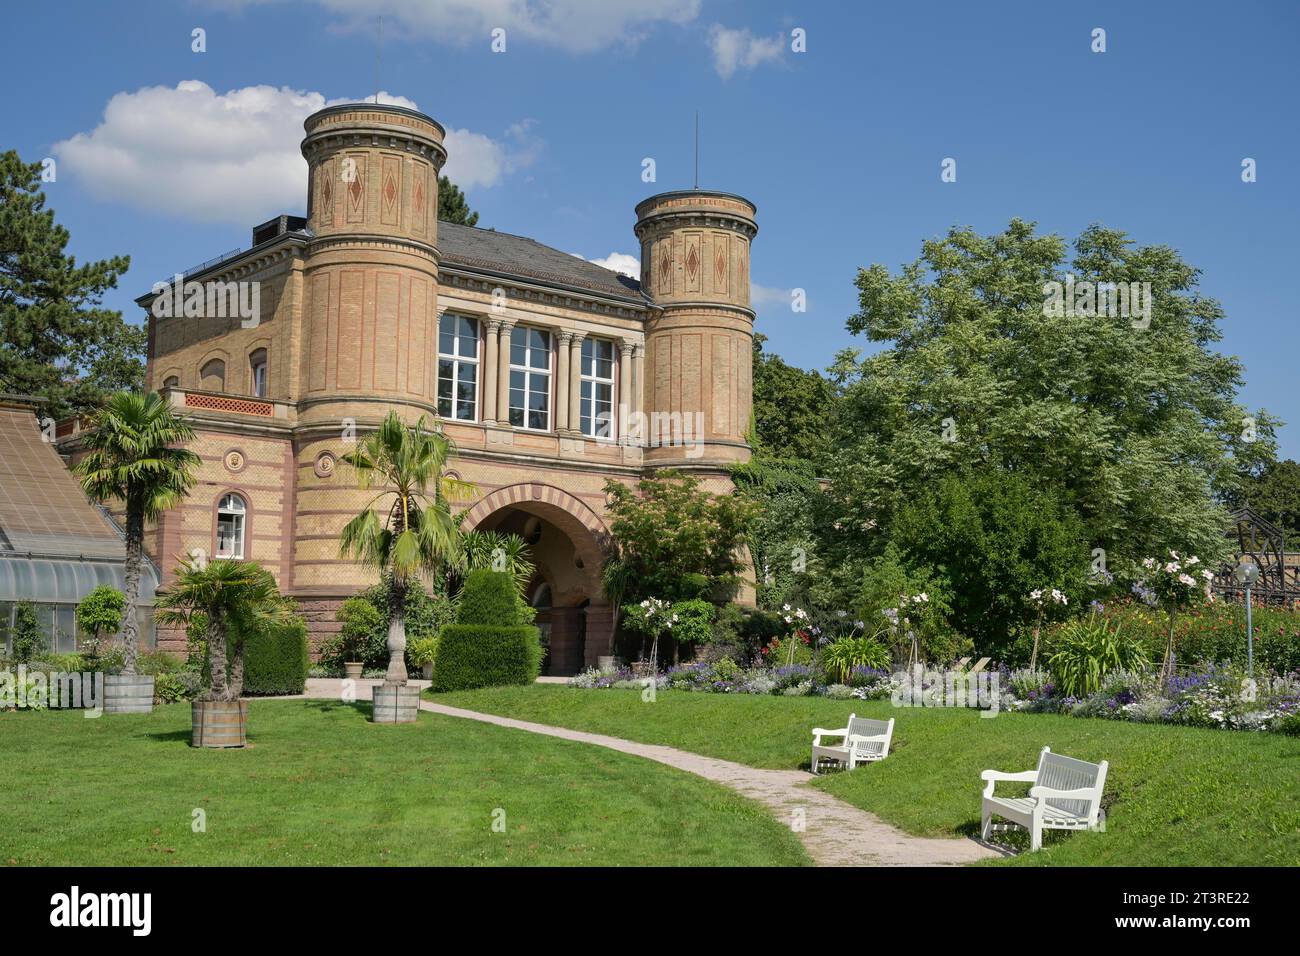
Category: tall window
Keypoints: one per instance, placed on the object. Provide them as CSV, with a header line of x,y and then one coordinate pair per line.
x,y
598,388
230,527
457,366
257,372
530,378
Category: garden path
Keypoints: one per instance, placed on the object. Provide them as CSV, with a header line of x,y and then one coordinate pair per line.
x,y
833,832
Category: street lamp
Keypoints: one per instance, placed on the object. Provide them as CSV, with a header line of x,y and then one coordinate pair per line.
x,y
1247,573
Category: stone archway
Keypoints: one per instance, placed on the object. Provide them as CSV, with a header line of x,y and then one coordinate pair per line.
x,y
569,542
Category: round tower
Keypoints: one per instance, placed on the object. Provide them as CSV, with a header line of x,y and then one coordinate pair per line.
x,y
699,337
370,279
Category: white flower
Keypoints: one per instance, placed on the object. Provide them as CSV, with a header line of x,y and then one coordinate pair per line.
x,y
1036,594
1148,563
1192,560
841,613
1187,579
1208,575
858,624
788,619
785,607
1172,567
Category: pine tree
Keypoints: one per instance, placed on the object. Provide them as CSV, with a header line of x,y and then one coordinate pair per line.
x,y
452,204
58,343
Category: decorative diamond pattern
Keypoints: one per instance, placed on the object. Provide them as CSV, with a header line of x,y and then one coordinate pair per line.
x,y
692,264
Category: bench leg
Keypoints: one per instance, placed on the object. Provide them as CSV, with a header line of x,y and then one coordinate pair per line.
x,y
814,764
1036,836
986,823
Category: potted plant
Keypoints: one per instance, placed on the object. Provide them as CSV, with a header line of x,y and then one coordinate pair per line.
x,y
414,533
360,620
423,651
100,615
235,599
133,458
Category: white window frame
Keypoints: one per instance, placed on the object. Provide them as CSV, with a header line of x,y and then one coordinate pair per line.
x,y
531,373
588,369
236,508
259,372
459,361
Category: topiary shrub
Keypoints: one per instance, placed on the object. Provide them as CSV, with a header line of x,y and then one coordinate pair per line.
x,y
28,638
482,655
490,598
492,642
276,660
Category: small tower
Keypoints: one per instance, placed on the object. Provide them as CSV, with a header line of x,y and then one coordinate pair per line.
x,y
370,288
699,337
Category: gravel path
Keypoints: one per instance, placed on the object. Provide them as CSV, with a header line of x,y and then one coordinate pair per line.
x,y
834,833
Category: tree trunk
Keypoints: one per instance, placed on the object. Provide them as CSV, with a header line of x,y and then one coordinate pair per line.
x,y
217,658
1168,666
134,558
1033,657
236,688
676,646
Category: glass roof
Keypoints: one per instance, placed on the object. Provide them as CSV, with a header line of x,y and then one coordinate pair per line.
x,y
66,580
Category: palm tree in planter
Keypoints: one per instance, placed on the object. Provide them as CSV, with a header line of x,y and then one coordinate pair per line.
x,y
132,458
417,534
233,599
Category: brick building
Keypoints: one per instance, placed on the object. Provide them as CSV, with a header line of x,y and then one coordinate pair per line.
x,y
551,373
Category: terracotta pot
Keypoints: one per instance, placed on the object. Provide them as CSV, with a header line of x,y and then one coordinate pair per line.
x,y
352,669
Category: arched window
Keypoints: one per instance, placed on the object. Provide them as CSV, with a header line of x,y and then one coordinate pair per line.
x,y
213,376
257,372
230,527
171,381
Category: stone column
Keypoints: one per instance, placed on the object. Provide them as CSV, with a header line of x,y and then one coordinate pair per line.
x,y
638,391
503,373
563,370
488,391
623,398
575,383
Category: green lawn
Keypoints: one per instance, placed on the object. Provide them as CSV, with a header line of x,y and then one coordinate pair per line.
x,y
320,785
1175,796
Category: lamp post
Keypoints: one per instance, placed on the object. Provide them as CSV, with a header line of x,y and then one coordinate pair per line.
x,y
1247,573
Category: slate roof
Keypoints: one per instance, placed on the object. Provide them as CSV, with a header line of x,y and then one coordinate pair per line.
x,y
528,259
42,507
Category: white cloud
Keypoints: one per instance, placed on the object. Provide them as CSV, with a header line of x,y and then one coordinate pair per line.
x,y
233,157
620,262
764,296
579,26
740,50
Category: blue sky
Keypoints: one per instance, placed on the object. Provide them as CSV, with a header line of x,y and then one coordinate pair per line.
x,y
840,146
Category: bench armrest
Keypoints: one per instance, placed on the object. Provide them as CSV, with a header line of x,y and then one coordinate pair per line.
x,y
820,732
992,776
1052,793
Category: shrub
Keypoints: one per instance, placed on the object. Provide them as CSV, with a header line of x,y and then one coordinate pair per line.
x,y
422,651
490,598
364,636
276,659
159,662
173,687
849,652
482,655
1087,650
28,639
100,612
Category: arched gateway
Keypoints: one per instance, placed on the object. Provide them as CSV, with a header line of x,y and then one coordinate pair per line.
x,y
568,542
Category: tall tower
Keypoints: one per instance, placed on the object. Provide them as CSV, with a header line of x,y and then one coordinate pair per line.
x,y
370,286
699,338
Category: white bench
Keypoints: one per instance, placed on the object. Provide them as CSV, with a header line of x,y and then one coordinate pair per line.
x,y
1066,795
864,741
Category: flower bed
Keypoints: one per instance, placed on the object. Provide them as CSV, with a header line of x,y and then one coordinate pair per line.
x,y
728,677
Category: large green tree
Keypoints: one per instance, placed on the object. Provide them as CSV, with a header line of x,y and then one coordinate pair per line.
x,y
792,407
1275,494
1137,429
58,343
452,204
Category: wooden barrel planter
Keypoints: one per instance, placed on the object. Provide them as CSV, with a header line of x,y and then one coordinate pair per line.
x,y
395,704
219,723
128,693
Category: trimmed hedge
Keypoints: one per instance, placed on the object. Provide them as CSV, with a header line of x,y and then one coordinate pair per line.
x,y
490,598
480,655
276,660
